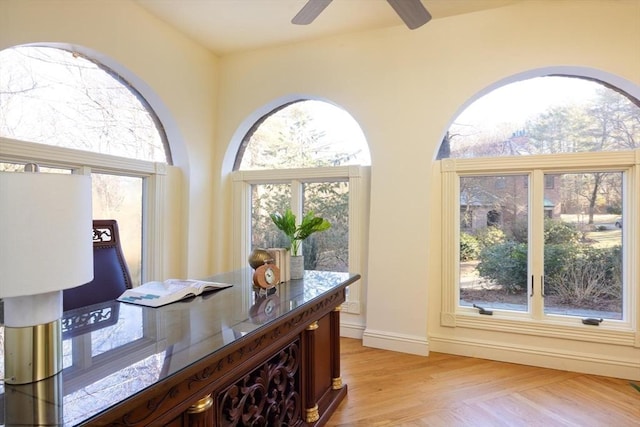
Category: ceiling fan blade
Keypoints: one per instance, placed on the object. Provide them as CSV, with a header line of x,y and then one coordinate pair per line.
x,y
310,11
412,12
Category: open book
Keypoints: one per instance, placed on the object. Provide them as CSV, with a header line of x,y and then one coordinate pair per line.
x,y
155,294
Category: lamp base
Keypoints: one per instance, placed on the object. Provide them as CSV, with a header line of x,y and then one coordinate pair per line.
x,y
32,353
35,404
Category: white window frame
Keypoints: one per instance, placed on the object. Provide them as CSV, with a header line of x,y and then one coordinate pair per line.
x,y
625,332
358,179
153,176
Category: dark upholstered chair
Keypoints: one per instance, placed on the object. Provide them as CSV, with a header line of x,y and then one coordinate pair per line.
x,y
110,272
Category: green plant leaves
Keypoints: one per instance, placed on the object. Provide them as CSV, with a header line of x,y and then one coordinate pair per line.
x,y
310,224
286,222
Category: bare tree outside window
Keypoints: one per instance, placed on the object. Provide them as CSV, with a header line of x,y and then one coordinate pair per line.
x,y
546,115
56,97
582,242
301,135
61,98
304,134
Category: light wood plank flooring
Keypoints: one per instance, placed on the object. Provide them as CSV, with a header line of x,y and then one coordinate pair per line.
x,y
393,389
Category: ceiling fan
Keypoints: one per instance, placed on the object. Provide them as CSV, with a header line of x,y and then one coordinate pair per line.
x,y
412,12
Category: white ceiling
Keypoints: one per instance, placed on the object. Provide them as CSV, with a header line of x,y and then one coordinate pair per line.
x,y
227,26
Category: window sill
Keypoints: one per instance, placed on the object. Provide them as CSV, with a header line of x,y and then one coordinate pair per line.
x,y
614,333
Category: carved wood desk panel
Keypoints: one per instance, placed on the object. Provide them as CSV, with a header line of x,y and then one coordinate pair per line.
x,y
231,357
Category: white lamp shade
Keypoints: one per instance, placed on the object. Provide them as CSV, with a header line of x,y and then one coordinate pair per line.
x,y
45,232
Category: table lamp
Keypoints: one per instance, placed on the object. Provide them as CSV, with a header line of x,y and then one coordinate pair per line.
x,y
45,247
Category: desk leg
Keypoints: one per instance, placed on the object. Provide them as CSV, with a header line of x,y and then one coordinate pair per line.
x,y
311,412
336,379
200,414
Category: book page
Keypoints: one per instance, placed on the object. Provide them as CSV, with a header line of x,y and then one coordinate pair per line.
x,y
177,285
203,286
159,293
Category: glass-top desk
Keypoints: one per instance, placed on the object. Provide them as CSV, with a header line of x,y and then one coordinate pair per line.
x,y
236,356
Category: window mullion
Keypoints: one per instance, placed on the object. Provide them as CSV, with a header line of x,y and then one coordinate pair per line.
x,y
153,225
297,204
631,241
241,220
536,243
450,241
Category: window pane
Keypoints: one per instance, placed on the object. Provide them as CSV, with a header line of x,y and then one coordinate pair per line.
x,y
304,134
493,242
267,199
57,97
328,250
113,197
583,245
544,115
120,198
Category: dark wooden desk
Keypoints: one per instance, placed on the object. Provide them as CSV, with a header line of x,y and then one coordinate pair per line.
x,y
232,357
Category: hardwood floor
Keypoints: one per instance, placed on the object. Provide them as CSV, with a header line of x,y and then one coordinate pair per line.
x,y
393,389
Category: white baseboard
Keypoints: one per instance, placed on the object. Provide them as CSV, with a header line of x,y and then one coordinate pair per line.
x,y
543,357
395,342
351,330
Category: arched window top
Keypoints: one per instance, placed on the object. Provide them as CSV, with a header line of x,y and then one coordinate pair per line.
x,y
303,134
61,98
545,115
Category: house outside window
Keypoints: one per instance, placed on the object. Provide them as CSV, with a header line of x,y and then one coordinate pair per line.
x,y
549,181
550,253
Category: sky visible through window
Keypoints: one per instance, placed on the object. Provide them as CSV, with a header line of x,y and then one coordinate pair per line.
x,y
516,102
579,247
342,128
60,98
544,115
307,133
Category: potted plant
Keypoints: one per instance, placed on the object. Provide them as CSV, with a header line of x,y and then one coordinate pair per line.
x,y
296,233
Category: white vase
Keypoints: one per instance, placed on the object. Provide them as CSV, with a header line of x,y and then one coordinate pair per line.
x,y
296,267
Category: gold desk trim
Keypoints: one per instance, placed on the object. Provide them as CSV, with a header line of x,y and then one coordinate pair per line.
x,y
336,383
312,414
313,326
201,405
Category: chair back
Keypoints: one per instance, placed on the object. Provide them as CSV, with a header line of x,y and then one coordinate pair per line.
x,y
110,272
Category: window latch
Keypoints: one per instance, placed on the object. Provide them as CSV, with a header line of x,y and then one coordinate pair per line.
x,y
592,321
483,310
532,286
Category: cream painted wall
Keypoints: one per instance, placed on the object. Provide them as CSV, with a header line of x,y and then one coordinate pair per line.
x,y
404,87
178,78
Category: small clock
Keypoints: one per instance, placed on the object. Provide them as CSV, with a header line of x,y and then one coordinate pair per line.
x,y
266,276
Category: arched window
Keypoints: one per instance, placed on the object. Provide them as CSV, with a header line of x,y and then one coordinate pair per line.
x,y
552,162
545,115
61,98
303,134
306,155
67,111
